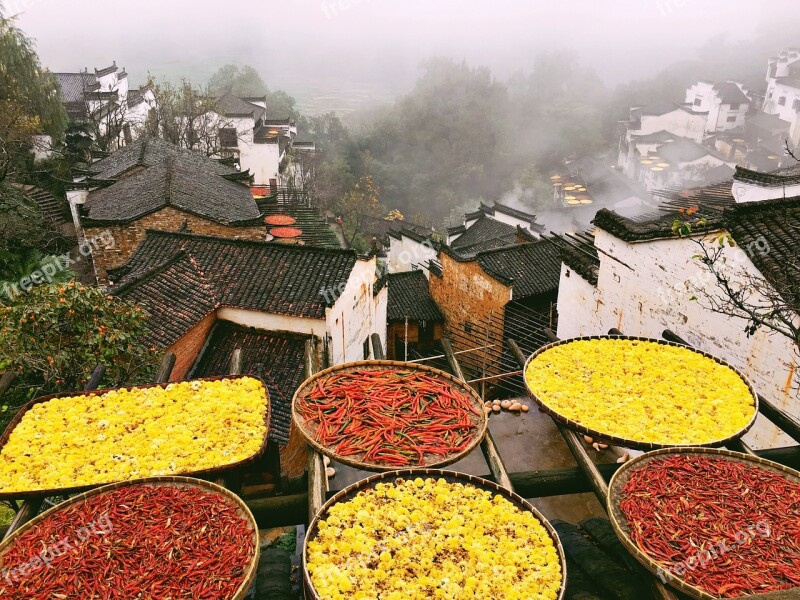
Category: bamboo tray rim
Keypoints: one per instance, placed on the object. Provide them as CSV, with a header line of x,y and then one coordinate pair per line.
x,y
82,488
451,476
305,431
620,523
164,480
625,442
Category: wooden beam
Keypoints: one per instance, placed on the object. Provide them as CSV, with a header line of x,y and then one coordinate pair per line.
x,y
165,369
6,381
317,477
284,511
96,378
488,447
236,362
377,347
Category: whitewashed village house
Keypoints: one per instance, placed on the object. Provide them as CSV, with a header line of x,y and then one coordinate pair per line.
x,y
783,91
105,97
725,103
639,277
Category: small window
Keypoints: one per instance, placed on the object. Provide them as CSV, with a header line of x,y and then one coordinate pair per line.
x,y
796,105
732,119
782,101
735,106
698,101
228,138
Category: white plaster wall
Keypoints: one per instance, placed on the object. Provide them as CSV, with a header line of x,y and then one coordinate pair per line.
x,y
749,192
356,315
787,112
271,322
653,295
406,253
678,122
263,160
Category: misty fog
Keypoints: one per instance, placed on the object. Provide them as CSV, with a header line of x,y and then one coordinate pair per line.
x,y
443,104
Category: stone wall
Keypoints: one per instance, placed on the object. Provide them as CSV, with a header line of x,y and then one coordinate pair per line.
x,y
127,238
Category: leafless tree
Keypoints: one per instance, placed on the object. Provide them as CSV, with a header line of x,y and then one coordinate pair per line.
x,y
187,117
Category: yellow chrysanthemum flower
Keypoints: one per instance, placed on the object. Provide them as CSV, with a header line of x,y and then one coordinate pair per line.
x,y
422,539
134,433
642,391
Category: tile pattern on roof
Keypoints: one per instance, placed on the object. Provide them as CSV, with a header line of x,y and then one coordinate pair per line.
x,y
277,357
484,234
175,294
272,278
409,296
150,152
778,223
532,268
316,229
175,180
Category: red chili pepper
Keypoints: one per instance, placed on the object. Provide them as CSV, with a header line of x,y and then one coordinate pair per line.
x,y
367,412
728,528
139,541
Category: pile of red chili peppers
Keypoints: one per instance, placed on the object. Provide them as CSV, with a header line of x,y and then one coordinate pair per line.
x,y
138,541
727,528
393,417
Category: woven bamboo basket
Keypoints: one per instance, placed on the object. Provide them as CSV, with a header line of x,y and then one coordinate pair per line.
x,y
451,477
77,489
230,497
628,443
622,528
308,429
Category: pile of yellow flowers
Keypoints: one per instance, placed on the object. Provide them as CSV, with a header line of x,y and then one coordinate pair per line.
x,y
133,433
427,539
642,391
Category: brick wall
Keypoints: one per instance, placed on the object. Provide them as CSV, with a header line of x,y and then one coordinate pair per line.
x,y
127,238
189,345
467,297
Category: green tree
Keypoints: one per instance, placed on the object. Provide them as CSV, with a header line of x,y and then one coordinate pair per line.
x,y
239,81
29,99
359,203
55,336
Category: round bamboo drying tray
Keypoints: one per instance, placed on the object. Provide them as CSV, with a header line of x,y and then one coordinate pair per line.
x,y
451,477
172,481
628,443
77,489
308,429
620,523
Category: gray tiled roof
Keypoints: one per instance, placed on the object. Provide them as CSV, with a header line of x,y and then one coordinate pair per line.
x,y
409,296
531,269
73,85
178,182
272,278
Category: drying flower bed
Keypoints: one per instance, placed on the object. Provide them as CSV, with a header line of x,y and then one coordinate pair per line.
x,y
642,391
389,417
428,538
86,440
725,527
136,541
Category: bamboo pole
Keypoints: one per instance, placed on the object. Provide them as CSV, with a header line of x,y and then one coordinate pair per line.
x,y
488,447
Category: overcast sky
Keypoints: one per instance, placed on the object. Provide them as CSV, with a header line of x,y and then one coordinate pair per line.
x,y
320,44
